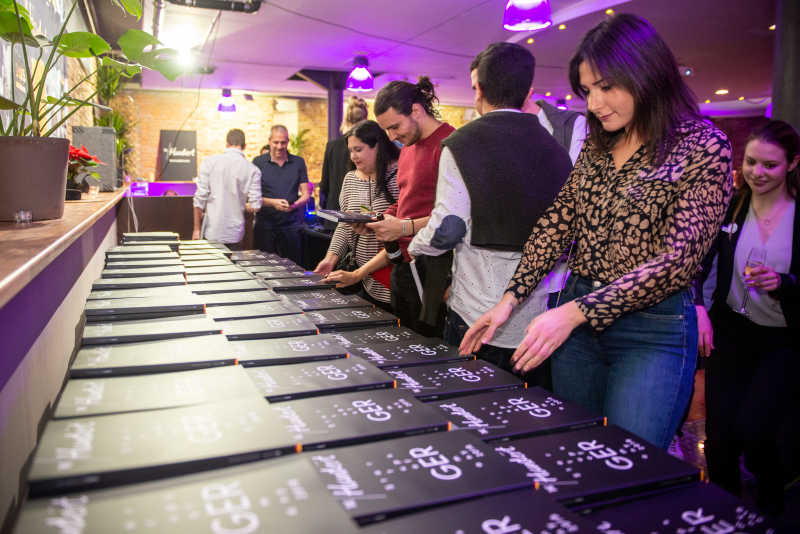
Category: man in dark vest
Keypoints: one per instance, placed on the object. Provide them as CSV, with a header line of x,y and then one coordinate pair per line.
x,y
497,175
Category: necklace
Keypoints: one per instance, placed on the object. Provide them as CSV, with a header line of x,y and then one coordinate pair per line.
x,y
773,216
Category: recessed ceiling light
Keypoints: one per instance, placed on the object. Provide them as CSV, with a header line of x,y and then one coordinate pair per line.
x,y
530,40
721,92
548,93
609,11
568,97
772,28
741,98
562,26
707,101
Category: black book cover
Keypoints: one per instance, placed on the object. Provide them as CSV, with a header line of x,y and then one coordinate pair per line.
x,y
282,495
105,396
149,236
161,356
298,284
139,249
109,450
521,511
148,330
407,354
288,382
255,269
268,327
372,336
375,481
209,288
204,278
301,349
239,297
326,300
500,415
144,271
148,256
179,292
252,311
595,465
285,273
143,264
445,380
138,282
227,268
351,318
104,307
351,418
700,508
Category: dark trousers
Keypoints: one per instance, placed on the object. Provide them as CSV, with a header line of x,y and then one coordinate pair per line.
x,y
751,397
406,303
285,241
454,329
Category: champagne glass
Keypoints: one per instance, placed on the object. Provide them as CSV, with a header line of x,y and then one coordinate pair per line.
x,y
755,258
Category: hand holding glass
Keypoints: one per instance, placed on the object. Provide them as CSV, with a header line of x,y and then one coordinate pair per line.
x,y
756,258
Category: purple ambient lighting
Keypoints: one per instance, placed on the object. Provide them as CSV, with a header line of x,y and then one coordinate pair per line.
x,y
527,15
360,78
226,104
561,103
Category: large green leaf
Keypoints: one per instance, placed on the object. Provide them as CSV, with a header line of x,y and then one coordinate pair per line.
x,y
5,103
164,61
9,29
134,7
125,69
82,44
133,43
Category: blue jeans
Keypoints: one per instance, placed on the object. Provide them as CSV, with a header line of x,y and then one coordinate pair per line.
x,y
454,330
638,372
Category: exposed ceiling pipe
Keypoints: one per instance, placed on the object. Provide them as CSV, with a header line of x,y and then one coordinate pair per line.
x,y
244,6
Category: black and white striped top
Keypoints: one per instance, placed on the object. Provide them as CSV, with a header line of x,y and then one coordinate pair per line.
x,y
356,193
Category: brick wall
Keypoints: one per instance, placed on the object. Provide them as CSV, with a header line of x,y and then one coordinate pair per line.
x,y
84,116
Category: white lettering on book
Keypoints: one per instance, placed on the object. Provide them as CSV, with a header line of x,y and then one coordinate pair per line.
x,y
698,518
612,458
276,323
406,381
293,421
464,374
531,407
201,429
373,410
93,394
81,433
72,511
535,471
264,380
386,336
99,355
345,487
229,507
360,314
299,346
372,355
468,419
332,372
438,464
422,349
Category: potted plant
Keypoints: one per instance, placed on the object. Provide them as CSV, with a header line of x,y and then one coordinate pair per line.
x,y
78,165
33,174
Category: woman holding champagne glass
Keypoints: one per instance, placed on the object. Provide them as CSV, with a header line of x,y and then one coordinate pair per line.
x,y
752,335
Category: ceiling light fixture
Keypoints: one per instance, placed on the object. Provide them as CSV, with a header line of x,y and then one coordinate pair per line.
x,y
527,15
568,97
548,93
741,98
772,28
707,101
226,104
562,26
530,40
721,92
609,11
360,78
686,71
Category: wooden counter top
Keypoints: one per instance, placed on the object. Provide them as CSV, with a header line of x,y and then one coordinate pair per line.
x,y
26,250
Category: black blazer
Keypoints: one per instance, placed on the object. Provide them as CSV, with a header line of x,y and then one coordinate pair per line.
x,y
724,247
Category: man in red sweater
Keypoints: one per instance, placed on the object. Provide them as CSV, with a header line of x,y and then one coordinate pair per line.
x,y
406,111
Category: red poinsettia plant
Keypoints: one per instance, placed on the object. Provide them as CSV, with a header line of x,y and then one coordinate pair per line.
x,y
79,162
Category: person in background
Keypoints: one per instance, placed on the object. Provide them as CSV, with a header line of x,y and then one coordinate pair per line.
x,y
407,112
753,336
568,127
277,225
337,155
491,190
642,205
264,150
372,184
227,185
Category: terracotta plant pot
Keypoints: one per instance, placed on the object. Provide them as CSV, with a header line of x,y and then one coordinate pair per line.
x,y
33,176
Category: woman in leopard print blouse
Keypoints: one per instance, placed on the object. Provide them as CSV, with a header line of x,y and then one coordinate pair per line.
x,y
641,208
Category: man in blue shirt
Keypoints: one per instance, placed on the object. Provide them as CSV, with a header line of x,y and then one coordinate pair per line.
x,y
284,190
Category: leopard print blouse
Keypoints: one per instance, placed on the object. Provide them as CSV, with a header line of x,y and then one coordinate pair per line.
x,y
641,231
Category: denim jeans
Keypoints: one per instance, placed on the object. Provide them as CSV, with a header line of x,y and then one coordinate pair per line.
x,y
638,372
454,330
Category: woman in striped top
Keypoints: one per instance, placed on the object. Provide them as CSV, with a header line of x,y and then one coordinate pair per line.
x,y
372,184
